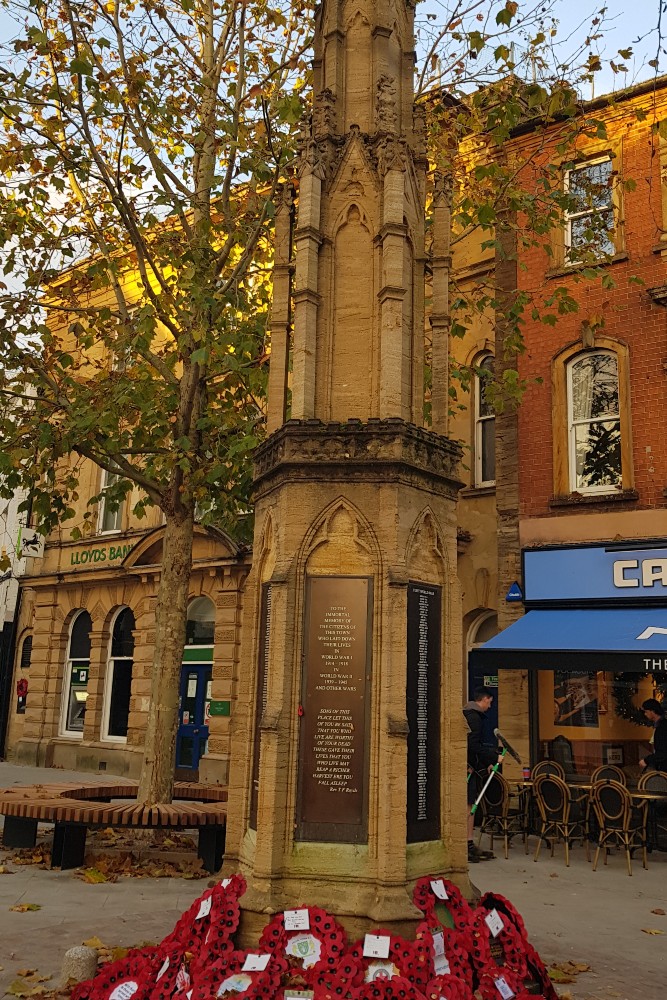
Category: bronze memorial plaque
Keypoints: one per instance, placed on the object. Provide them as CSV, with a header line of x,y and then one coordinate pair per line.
x,y
333,760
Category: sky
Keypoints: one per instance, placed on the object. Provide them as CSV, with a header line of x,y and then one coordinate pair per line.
x,y
629,23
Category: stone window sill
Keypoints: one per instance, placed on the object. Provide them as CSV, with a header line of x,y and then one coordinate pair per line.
x,y
562,272
477,491
591,499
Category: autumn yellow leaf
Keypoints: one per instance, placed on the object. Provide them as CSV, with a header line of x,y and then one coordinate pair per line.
x,y
25,907
651,930
93,942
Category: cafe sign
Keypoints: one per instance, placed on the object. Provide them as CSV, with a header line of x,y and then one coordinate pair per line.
x,y
619,573
99,554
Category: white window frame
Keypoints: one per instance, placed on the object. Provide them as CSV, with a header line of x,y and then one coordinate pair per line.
x,y
70,734
108,681
479,421
571,424
569,216
118,514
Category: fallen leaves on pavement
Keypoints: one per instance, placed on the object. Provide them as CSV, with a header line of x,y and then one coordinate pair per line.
x,y
4,870
109,867
29,984
39,855
567,972
27,907
651,930
659,911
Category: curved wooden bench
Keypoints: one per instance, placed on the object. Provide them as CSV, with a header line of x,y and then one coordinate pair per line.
x,y
75,808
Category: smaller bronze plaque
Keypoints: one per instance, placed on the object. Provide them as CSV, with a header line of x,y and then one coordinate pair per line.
x,y
333,759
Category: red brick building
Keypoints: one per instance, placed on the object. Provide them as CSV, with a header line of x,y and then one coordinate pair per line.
x,y
591,517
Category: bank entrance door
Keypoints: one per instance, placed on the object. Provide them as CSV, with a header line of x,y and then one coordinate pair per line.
x,y
193,712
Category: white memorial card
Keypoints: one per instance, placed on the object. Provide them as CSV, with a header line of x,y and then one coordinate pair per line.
x,y
381,971
225,882
234,984
297,920
438,888
305,947
495,923
204,908
504,988
255,963
163,969
376,946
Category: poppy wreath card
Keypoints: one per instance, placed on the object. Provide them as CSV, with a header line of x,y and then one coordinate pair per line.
x,y
449,987
311,941
442,903
443,951
240,975
496,943
128,978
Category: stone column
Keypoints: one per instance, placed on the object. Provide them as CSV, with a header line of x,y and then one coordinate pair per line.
x,y
392,290
307,240
441,264
281,314
99,660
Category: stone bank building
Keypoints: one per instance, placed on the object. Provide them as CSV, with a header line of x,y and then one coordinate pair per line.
x,y
87,617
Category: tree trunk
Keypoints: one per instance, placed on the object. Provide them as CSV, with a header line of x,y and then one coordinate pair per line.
x,y
157,773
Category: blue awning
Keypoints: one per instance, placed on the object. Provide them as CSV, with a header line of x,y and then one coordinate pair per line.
x,y
623,639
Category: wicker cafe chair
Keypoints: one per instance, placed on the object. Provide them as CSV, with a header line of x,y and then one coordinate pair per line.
x,y
548,767
562,814
502,814
608,772
656,781
621,823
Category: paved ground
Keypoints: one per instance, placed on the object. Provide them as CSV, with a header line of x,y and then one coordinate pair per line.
x,y
593,917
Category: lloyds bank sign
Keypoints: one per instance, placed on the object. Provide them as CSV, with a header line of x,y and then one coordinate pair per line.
x,y
99,554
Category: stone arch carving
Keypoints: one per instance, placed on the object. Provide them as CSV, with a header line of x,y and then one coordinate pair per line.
x,y
353,317
341,541
266,556
346,216
426,552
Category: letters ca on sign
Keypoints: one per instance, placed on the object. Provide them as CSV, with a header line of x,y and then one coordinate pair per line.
x,y
640,572
100,554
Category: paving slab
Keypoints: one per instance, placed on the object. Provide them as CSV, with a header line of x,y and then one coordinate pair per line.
x,y
599,918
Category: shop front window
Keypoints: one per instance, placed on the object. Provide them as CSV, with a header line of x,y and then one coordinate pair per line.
x,y
119,677
77,670
591,718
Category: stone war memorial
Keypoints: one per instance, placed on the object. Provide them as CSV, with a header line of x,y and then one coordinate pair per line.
x,y
348,763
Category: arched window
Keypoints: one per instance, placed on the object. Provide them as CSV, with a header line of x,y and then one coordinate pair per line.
x,y
485,424
26,653
594,423
200,626
77,669
118,684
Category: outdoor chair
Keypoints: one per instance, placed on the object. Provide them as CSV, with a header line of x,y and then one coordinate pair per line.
x,y
608,772
502,813
621,823
562,812
655,781
548,767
